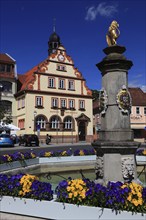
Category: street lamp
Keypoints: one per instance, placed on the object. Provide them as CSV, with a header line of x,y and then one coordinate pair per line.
x,y
72,126
34,114
1,89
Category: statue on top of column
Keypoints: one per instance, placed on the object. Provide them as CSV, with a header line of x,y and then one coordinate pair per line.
x,y
113,33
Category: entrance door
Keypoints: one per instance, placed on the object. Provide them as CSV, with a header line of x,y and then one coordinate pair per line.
x,y
82,132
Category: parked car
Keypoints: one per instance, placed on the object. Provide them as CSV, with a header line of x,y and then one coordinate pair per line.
x,y
15,138
29,140
6,140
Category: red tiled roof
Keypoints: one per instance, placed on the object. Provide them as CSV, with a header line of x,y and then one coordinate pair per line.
x,y
27,79
6,58
21,78
138,97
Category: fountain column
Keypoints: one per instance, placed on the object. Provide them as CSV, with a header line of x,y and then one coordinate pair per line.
x,y
115,147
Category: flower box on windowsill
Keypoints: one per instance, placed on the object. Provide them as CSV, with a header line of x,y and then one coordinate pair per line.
x,y
58,210
18,164
141,160
66,159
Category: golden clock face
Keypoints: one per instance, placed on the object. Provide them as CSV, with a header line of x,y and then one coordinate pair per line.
x,y
61,57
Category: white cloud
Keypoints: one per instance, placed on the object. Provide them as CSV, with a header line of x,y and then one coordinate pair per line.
x,y
103,9
138,76
91,14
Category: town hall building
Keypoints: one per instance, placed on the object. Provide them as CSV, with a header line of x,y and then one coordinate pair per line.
x,y
53,99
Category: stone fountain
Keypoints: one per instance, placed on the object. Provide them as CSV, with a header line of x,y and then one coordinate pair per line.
x,y
115,147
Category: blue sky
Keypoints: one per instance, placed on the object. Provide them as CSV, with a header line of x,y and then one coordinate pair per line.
x,y
25,27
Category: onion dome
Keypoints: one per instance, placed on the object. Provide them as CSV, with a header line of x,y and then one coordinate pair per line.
x,y
53,43
54,38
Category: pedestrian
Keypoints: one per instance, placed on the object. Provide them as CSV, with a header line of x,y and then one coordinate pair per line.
x,y
48,139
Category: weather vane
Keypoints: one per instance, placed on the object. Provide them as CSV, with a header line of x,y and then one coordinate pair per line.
x,y
113,33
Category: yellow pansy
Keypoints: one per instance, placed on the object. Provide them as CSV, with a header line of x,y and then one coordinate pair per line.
x,y
68,188
144,152
80,187
81,153
33,155
75,194
47,154
70,195
26,182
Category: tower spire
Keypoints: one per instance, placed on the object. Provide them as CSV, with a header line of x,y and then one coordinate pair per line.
x,y
54,25
54,40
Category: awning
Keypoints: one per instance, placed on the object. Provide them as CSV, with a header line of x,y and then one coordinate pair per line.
x,y
13,127
8,127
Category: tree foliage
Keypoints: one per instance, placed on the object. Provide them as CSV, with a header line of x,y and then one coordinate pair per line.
x,y
95,94
4,116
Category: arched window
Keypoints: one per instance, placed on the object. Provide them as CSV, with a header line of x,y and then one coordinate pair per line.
x,y
7,86
68,123
55,122
6,106
41,122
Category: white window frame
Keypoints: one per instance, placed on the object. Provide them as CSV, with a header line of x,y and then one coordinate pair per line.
x,y
68,123
41,122
63,103
19,103
71,85
23,102
55,123
71,103
82,104
61,83
39,101
54,102
51,82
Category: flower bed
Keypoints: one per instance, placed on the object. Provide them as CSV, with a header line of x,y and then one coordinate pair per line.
x,y
43,160
25,185
76,198
117,196
19,159
65,153
19,156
